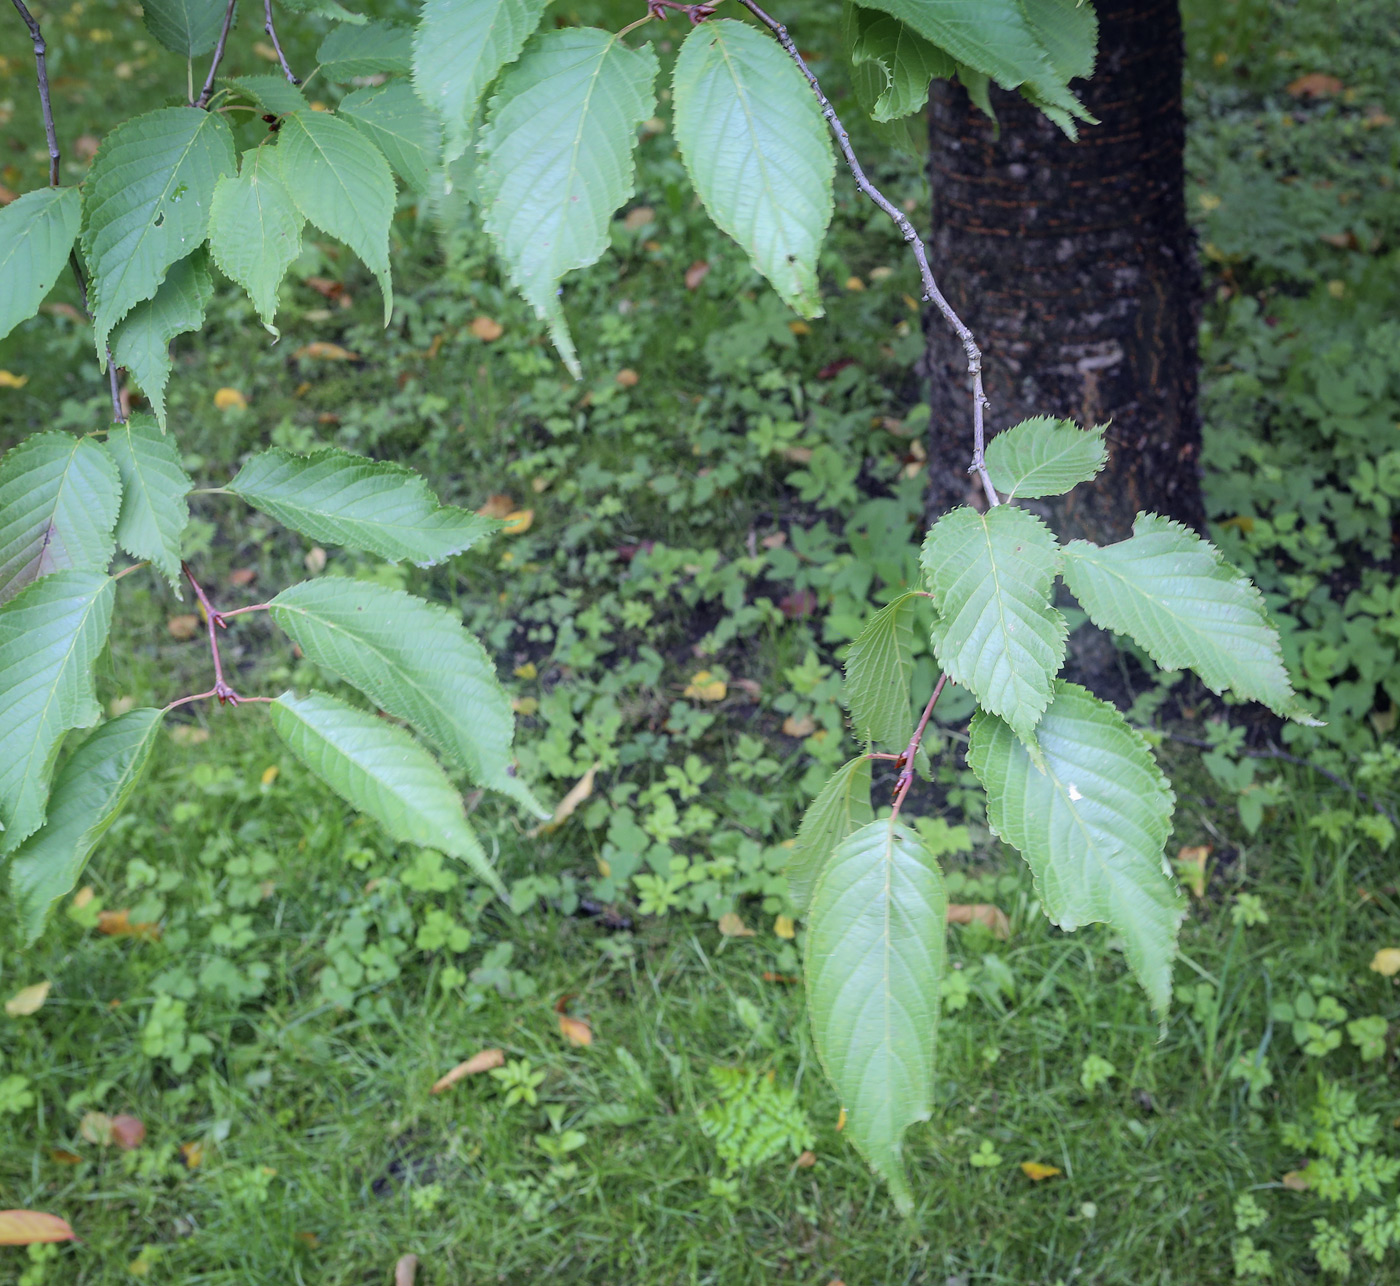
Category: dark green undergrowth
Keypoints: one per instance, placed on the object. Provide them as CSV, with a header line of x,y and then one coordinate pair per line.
x,y
713,514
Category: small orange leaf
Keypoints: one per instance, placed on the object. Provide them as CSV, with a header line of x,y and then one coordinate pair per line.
x,y
807,1159
29,1227
981,913
1386,962
229,399
799,328
575,1030
1315,85
519,522
497,505
486,328
854,283
117,924
638,218
323,351
627,377
64,1157
732,926
183,627
696,273
28,1000
483,1061
1035,1171
128,1132
241,576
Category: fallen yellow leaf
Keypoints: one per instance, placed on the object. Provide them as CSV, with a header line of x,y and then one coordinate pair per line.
x,y
1035,1171
1191,868
28,1000
29,1227
117,924
526,671
784,927
732,926
269,774
497,505
1386,962
519,522
323,350
575,1030
982,913
8,379
192,1154
841,1121
483,1061
582,789
803,727
487,329
703,686
228,399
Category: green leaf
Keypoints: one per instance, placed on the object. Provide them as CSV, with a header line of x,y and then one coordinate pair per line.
x,y
146,205
875,955
274,94
36,234
1068,31
141,342
374,506
255,229
904,63
459,48
392,117
154,486
341,183
325,9
1091,825
756,146
50,637
366,50
185,27
414,660
1001,39
380,770
880,675
556,160
89,792
842,807
1044,457
59,498
1175,594
997,632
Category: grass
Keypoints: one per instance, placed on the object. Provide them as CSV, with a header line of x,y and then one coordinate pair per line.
x,y
737,509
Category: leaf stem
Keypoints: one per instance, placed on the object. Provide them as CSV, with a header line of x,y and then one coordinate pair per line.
x,y
216,621
203,99
238,611
906,772
932,294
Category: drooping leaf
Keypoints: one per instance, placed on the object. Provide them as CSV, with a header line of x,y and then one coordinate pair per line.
x,y
1000,39
50,636
341,184
154,486
89,792
880,675
380,770
1068,31
997,632
366,50
338,498
185,27
326,9
459,47
875,955
255,229
36,234
273,93
1175,594
905,63
755,144
141,342
393,118
1091,826
414,660
1044,457
146,205
842,807
59,499
556,160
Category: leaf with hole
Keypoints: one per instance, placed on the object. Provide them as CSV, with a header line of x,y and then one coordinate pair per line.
x,y
50,636
875,955
1044,457
89,792
154,510
556,160
37,231
755,145
59,499
374,506
1091,825
379,769
842,806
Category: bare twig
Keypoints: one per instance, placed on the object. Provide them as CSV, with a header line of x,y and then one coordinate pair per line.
x,y
271,30
915,242
216,621
41,71
204,94
905,762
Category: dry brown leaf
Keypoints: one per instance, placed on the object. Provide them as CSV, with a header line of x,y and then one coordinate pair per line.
x,y
575,1030
983,913
1315,84
787,979
638,218
29,1228
326,286
1036,1171
406,1270
567,806
7,195
324,351
128,1132
117,924
183,627
228,399
803,727
487,329
28,1000
732,926
482,1061
61,1156
696,273
627,377
799,328
806,1160
241,576
1191,867
1296,1181
518,522
497,505
1386,962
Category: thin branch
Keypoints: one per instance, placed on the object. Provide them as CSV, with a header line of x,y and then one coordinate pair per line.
x,y
915,242
906,760
272,36
203,99
41,71
238,611
216,621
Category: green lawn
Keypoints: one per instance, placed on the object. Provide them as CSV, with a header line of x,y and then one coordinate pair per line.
x,y
736,511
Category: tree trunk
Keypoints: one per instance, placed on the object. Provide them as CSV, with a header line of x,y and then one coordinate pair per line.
x,y
1073,264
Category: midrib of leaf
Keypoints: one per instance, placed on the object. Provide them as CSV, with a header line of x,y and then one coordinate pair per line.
x,y
325,156
1181,620
1040,465
51,527
327,744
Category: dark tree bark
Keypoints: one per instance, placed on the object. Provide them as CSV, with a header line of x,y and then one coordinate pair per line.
x,y
1073,264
